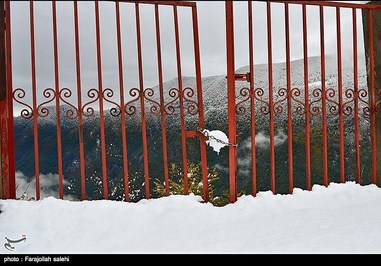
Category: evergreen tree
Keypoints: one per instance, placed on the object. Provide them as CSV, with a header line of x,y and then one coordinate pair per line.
x,y
195,184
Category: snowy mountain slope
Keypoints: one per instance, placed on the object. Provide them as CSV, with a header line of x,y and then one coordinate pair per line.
x,y
215,87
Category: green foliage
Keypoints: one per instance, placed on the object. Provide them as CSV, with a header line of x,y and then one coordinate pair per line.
x,y
195,184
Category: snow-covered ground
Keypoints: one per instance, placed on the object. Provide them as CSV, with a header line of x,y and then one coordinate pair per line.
x,y
343,218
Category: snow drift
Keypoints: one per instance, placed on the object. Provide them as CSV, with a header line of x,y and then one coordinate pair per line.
x,y
343,218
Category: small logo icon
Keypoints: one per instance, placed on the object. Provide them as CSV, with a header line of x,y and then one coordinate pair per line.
x,y
9,243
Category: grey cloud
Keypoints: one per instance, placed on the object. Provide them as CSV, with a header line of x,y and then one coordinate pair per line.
x,y
222,168
262,141
26,186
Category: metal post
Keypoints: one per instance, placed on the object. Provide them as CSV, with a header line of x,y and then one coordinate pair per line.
x,y
231,100
324,99
271,99
201,119
356,89
372,36
34,99
142,106
7,173
2,94
252,102
306,99
101,106
79,99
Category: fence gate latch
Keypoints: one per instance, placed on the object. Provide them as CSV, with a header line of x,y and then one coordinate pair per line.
x,y
243,77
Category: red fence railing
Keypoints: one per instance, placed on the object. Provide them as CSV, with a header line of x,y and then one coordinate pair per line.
x,y
319,104
322,101
90,100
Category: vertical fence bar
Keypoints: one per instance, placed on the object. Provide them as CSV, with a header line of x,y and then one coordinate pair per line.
x,y
324,103
201,119
340,91
306,99
271,99
34,95
79,98
4,178
122,113
162,111
252,102
372,97
9,84
356,99
57,91
142,107
232,126
289,104
7,176
101,108
162,103
181,98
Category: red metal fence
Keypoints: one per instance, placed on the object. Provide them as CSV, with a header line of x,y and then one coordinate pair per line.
x,y
331,99
101,95
321,101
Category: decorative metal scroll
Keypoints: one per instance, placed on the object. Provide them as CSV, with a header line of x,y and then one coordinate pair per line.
x,y
378,104
187,94
265,106
333,105
191,105
300,107
278,108
258,95
316,110
72,113
363,98
314,107
240,107
348,104
18,95
87,110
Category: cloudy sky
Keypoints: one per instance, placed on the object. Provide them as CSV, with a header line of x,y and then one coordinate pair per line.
x,y
212,41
